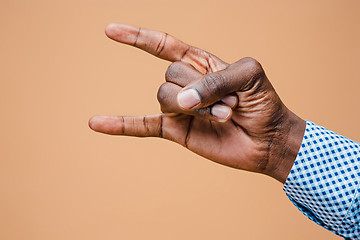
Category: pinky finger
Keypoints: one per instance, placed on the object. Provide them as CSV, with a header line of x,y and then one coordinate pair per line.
x,y
138,126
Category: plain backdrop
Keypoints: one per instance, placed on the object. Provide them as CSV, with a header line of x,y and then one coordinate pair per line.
x,y
60,180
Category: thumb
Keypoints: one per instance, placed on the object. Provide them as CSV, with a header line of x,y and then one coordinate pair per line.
x,y
213,87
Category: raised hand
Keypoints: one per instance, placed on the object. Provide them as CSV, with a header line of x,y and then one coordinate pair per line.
x,y
229,114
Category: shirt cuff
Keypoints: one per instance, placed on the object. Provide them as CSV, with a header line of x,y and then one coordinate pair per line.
x,y
324,180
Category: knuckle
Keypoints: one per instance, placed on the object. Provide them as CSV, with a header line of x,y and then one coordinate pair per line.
x,y
163,109
173,71
255,75
254,67
162,93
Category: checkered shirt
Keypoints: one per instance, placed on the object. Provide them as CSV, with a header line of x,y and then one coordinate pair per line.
x,y
324,182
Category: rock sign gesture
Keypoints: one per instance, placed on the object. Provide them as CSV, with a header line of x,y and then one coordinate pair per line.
x,y
228,113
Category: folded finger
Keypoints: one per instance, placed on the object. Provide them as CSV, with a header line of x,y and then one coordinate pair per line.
x,y
167,93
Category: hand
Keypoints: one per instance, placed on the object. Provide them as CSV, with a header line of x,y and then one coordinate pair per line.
x,y
229,114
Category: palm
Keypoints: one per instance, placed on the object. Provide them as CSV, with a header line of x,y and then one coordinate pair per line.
x,y
225,143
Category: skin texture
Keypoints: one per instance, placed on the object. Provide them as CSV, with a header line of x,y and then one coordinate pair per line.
x,y
231,115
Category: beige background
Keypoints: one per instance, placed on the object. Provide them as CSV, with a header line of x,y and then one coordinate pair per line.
x,y
60,180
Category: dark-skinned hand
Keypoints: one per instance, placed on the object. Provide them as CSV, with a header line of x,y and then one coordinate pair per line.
x,y
228,113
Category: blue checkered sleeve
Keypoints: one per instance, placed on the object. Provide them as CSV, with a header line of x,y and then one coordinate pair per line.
x,y
324,181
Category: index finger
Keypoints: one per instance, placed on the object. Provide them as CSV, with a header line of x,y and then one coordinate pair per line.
x,y
159,44
165,46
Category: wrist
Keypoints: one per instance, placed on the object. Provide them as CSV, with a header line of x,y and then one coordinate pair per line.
x,y
286,146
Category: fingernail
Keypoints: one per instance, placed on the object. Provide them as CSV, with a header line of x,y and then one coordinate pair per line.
x,y
188,98
97,121
220,111
230,100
